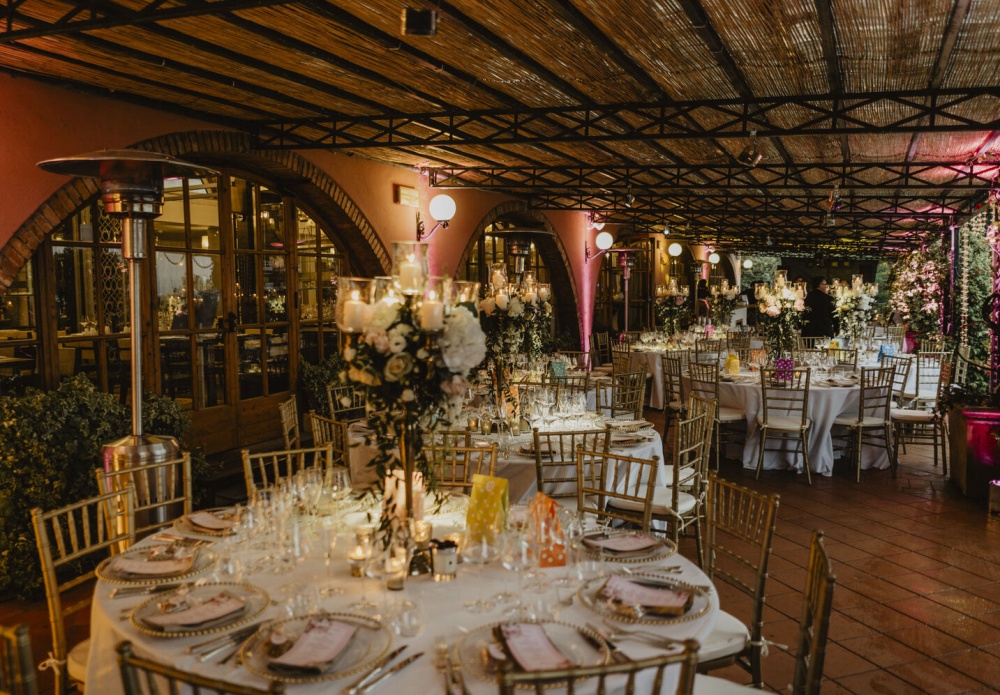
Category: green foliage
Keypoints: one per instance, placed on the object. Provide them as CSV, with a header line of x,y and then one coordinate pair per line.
x,y
762,271
980,274
50,444
313,379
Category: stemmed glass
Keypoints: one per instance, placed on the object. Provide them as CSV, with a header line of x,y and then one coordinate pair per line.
x,y
573,531
338,486
515,555
368,553
480,552
331,529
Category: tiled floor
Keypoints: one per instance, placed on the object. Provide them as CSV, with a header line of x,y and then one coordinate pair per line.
x,y
917,603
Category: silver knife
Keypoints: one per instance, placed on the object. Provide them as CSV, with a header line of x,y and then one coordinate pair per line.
x,y
359,685
216,642
392,671
123,591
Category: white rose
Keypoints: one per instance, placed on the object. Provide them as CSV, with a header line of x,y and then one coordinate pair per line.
x,y
488,306
463,343
516,307
384,314
378,339
397,343
349,354
408,395
398,366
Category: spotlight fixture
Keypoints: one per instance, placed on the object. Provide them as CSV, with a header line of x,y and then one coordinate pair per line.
x,y
629,198
751,156
830,220
442,208
666,229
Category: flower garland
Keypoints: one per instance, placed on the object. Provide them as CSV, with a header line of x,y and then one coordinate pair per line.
x,y
516,323
782,310
917,288
723,304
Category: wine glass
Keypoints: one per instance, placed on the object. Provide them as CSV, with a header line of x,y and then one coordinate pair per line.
x,y
480,551
573,530
515,555
331,529
338,486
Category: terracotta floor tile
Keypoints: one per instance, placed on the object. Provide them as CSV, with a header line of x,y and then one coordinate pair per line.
x,y
882,650
843,627
877,566
989,591
978,664
918,583
925,610
971,630
964,601
934,677
929,640
844,597
881,682
840,661
916,561
880,590
956,577
880,618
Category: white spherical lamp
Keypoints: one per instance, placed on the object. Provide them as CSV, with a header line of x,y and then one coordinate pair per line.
x,y
748,264
674,249
443,207
604,241
713,258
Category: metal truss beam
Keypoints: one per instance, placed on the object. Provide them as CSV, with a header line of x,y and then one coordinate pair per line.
x,y
928,111
935,176
92,16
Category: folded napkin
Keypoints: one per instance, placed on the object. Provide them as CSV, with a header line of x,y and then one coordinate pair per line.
x,y
180,614
544,514
621,544
152,566
210,521
316,650
628,596
529,645
488,506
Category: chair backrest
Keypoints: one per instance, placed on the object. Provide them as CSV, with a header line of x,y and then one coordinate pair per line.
x,y
740,529
690,458
876,392
615,486
621,358
631,337
144,677
333,432
901,365
673,383
844,357
697,405
617,677
266,468
896,335
448,438
809,356
709,349
162,491
454,466
346,403
601,344
88,530
569,387
739,342
928,366
812,343
17,668
704,379
626,396
556,458
815,622
576,359
785,393
289,412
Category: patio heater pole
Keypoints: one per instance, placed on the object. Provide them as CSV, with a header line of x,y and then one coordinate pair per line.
x,y
132,190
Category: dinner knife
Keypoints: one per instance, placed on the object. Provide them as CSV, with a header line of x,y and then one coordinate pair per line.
x,y
392,671
123,591
211,644
359,685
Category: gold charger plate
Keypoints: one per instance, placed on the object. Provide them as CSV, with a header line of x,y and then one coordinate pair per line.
x,y
184,525
581,645
589,595
255,598
371,641
664,548
204,559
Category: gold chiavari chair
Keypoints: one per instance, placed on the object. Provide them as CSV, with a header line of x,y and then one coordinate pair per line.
x,y
812,343
815,622
449,438
289,412
925,389
70,541
625,395
901,365
143,676
600,343
844,358
631,337
926,422
709,350
674,401
575,359
621,358
704,380
17,667
162,491
739,342
556,459
266,468
897,336
570,387
785,413
454,466
609,677
346,403
740,531
616,487
872,423
327,431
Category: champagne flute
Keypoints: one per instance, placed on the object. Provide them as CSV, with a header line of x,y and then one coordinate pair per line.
x,y
515,556
331,529
480,551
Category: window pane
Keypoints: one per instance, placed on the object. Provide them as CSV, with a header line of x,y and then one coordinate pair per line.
x,y
241,196
175,369
210,368
171,291
80,227
308,291
203,212
246,288
272,219
76,295
207,281
251,360
330,269
277,360
169,226
275,289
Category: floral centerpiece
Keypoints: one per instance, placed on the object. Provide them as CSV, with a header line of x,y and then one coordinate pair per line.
x,y
412,342
724,300
782,308
855,307
671,306
917,288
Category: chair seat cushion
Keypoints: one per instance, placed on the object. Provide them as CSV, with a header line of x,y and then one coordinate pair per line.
x,y
911,415
784,423
686,475
76,661
661,504
852,421
676,406
713,685
727,414
728,638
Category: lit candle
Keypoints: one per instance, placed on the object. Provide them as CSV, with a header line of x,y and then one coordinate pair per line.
x,y
432,315
502,300
354,313
544,293
531,296
411,277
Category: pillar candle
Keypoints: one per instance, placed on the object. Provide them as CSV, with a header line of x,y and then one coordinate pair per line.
x,y
432,315
411,277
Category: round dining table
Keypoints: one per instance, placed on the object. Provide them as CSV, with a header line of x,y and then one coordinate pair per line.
x,y
439,616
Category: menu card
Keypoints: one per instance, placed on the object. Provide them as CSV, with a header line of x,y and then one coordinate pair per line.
x,y
624,543
209,521
166,567
222,606
661,601
316,650
531,648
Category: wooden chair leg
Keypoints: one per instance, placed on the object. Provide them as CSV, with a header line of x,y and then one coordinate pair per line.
x,y
805,456
760,453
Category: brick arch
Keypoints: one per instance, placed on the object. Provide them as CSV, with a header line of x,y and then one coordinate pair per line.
x,y
552,251
291,172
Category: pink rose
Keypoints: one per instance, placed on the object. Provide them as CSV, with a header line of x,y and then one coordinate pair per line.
x,y
799,305
772,310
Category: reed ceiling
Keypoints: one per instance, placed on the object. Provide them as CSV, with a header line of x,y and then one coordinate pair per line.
x,y
876,121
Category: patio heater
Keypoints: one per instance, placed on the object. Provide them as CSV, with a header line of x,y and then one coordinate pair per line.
x,y
132,189
625,261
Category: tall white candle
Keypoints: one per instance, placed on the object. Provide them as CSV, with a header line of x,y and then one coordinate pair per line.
x,y
432,315
354,315
411,277
530,296
543,293
498,281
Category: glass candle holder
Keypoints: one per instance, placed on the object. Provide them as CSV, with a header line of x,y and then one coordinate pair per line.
x,y
498,276
433,308
353,309
409,266
465,293
780,278
528,279
385,291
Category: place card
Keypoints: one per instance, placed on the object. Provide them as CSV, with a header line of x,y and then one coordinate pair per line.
x,y
661,601
531,648
223,605
316,650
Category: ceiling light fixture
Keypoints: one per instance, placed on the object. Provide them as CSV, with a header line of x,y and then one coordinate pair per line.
x,y
442,208
629,198
714,258
603,242
751,156
674,249
747,264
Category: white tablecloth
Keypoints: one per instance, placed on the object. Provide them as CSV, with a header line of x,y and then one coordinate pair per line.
x,y
825,404
441,604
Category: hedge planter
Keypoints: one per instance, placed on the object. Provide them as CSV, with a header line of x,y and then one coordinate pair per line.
x,y
975,449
